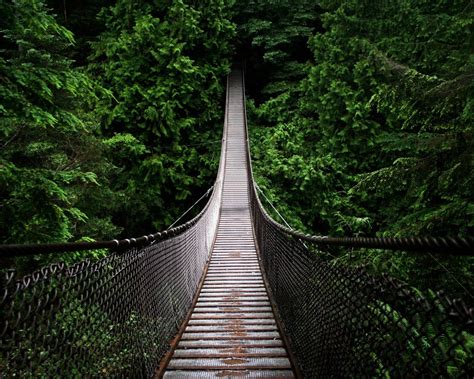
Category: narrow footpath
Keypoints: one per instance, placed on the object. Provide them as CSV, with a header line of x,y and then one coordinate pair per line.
x,y
232,331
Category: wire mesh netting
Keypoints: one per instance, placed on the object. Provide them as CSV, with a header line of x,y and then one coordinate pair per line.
x,y
344,322
112,317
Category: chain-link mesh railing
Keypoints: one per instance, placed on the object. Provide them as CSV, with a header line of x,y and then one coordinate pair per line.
x,y
344,322
114,317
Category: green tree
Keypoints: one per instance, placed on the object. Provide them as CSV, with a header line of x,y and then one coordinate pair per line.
x,y
376,139
382,76
272,38
51,160
164,63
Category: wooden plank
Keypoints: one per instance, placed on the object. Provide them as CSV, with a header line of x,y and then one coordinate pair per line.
x,y
232,286
229,343
231,352
235,263
218,263
244,284
235,271
241,276
238,335
240,273
241,363
197,374
230,315
232,277
232,309
230,327
238,295
227,298
233,290
233,303
210,296
236,279
251,274
223,280
251,321
235,259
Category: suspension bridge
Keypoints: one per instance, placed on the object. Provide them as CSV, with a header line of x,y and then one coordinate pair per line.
x,y
230,293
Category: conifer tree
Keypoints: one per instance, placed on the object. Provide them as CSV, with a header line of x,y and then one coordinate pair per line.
x,y
164,63
51,162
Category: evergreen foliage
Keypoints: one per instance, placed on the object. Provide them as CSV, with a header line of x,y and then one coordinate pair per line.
x,y
52,168
376,138
122,141
164,63
361,117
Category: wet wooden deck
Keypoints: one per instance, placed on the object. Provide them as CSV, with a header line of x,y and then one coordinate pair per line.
x,y
232,330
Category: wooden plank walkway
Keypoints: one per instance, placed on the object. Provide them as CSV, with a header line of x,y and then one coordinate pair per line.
x,y
232,330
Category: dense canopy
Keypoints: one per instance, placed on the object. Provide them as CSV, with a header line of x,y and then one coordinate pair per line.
x,y
361,119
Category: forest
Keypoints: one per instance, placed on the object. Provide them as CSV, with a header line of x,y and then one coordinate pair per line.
x,y
359,116
361,120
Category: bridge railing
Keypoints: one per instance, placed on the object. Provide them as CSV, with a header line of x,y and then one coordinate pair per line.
x,y
344,322
114,317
